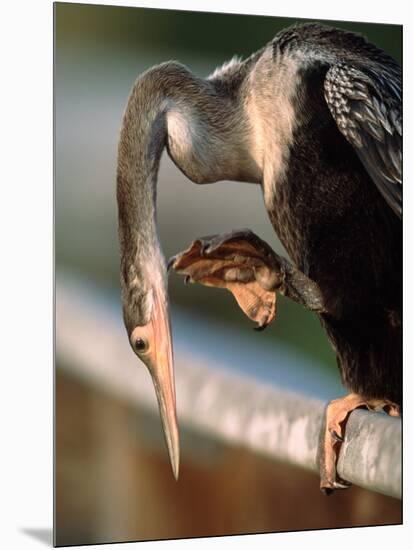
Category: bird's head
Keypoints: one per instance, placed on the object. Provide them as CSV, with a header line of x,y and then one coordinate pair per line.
x,y
146,316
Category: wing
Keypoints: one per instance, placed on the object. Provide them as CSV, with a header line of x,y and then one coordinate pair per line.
x,y
366,107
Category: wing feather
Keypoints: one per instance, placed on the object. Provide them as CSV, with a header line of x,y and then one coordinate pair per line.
x,y
366,107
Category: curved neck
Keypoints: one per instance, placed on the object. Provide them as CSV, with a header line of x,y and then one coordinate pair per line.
x,y
169,106
142,140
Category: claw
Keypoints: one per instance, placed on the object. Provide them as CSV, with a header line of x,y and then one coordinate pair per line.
x,y
342,484
205,249
392,409
335,486
336,436
170,263
260,328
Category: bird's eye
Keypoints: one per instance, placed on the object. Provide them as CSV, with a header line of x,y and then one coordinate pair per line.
x,y
141,345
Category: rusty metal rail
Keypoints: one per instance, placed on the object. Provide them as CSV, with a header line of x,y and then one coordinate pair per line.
x,y
237,409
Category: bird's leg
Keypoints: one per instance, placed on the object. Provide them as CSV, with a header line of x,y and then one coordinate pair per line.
x,y
297,286
247,266
333,431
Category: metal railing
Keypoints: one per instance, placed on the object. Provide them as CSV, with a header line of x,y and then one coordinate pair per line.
x,y
239,410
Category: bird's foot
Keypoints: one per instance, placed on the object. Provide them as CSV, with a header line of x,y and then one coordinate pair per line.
x,y
238,261
333,433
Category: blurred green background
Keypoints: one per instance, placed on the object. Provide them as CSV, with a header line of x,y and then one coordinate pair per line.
x,y
99,52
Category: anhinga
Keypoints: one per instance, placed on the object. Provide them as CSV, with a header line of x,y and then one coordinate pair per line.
x,y
314,118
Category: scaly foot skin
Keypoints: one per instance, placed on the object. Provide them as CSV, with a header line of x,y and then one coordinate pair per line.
x,y
247,266
333,433
238,261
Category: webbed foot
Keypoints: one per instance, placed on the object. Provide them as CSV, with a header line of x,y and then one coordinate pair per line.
x,y
333,433
238,261
248,267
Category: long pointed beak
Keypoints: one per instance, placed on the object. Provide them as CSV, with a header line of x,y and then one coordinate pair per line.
x,y
162,372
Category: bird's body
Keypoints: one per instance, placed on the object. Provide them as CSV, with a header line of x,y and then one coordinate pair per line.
x,y
323,204
337,226
315,119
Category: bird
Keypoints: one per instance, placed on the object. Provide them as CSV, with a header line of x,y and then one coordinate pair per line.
x,y
314,119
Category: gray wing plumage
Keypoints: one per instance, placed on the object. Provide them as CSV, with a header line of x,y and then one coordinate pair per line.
x,y
366,106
